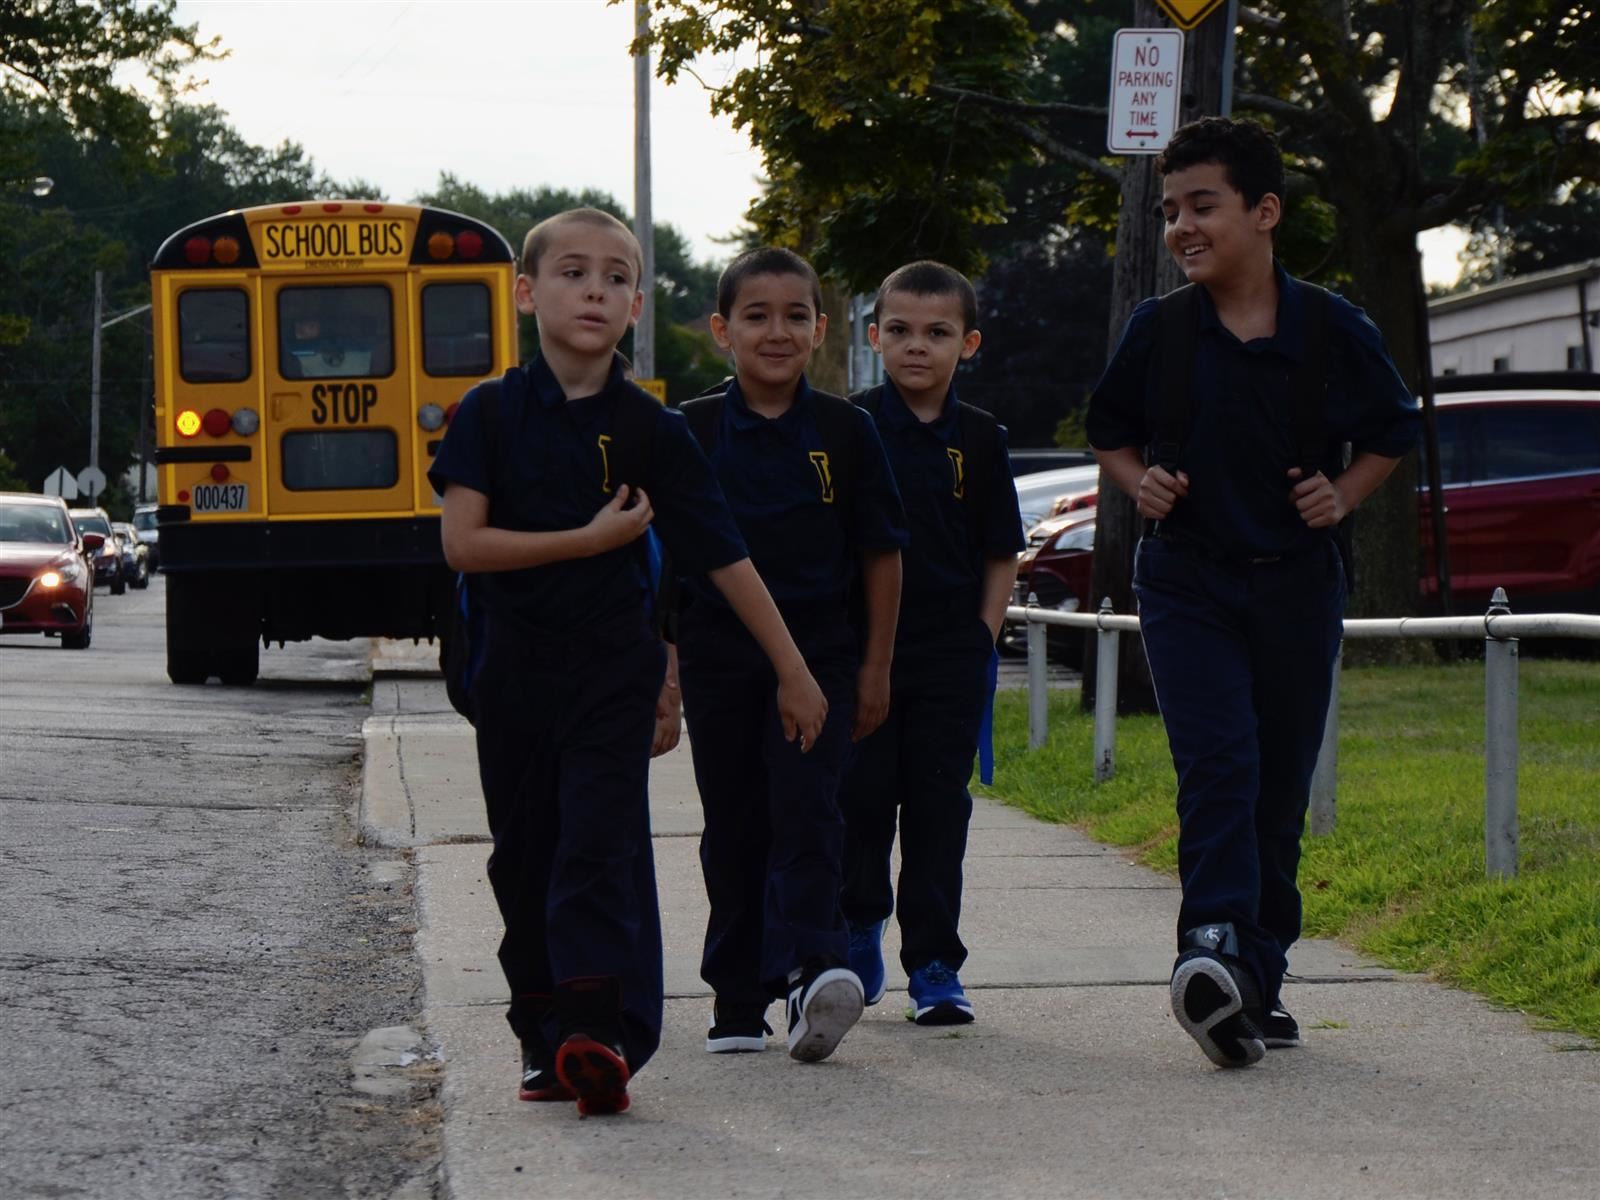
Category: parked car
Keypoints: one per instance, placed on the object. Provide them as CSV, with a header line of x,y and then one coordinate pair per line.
x,y
135,554
107,557
1057,569
46,581
144,520
1519,458
1038,492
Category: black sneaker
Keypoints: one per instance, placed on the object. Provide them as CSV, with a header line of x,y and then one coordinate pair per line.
x,y
823,1005
539,1082
738,1029
1210,995
595,1072
1279,1031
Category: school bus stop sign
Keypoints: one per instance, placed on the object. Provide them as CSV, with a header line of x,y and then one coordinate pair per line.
x,y
1186,14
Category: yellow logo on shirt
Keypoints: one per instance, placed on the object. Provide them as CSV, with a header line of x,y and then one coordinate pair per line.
x,y
958,470
819,460
604,440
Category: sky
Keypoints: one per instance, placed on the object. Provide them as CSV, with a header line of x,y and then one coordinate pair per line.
x,y
514,94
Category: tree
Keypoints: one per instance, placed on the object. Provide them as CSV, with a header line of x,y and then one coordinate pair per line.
x,y
1540,237
884,125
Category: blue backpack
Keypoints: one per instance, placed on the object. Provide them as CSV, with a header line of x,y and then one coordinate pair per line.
x,y
463,637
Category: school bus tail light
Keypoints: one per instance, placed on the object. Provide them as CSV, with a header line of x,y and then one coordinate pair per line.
x,y
430,417
441,245
219,472
217,422
188,423
225,250
469,244
197,250
246,421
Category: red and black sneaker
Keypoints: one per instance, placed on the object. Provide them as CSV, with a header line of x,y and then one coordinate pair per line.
x,y
595,1072
539,1082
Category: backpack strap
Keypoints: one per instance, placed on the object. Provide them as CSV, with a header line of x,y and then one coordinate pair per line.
x,y
1172,366
704,414
633,436
1308,384
841,441
980,443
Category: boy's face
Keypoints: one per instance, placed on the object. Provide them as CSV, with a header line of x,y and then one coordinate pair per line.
x,y
584,293
1211,233
922,341
771,329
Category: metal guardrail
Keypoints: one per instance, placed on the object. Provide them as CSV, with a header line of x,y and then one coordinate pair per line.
x,y
1499,627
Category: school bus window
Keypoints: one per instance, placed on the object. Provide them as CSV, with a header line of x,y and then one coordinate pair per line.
x,y
340,460
455,329
214,335
335,332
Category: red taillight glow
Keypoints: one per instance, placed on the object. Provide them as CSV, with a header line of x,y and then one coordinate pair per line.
x,y
217,422
372,208
188,423
469,244
197,250
219,472
183,496
332,207
290,210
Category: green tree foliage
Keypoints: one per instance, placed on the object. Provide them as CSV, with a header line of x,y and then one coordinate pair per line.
x,y
1537,238
686,291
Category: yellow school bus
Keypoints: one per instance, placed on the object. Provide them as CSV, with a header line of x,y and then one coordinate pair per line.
x,y
307,360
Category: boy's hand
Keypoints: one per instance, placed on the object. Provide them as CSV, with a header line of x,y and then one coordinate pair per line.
x,y
669,719
1318,499
1159,491
618,523
803,708
872,700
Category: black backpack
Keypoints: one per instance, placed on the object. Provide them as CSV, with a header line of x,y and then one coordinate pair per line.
x,y
1172,369
462,640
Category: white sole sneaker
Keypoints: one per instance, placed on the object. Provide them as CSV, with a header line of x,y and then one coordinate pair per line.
x,y
819,1019
736,1044
1207,1003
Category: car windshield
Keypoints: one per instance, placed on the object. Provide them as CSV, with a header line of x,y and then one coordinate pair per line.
x,y
33,523
91,523
145,520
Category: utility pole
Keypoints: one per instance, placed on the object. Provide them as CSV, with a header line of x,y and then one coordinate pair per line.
x,y
644,334
94,375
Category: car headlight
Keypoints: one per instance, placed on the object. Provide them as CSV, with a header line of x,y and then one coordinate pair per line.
x,y
50,579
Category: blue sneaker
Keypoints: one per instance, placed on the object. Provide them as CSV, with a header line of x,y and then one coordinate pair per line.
x,y
866,959
937,997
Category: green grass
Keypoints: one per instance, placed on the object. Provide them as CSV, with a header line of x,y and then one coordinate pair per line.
x,y
1402,876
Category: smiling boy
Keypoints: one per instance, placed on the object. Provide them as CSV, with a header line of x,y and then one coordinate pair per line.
x,y
1240,583
806,478
954,474
549,478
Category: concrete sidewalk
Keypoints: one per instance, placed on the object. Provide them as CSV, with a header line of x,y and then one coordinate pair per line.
x,y
1075,1081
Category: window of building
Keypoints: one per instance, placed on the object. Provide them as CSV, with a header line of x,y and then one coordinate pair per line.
x,y
1575,359
1502,364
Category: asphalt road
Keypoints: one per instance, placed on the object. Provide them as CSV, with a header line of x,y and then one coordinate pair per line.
x,y
194,952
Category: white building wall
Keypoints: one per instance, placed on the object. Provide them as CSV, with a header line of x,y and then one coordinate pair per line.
x,y
1530,324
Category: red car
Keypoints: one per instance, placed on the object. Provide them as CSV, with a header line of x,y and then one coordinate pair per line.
x,y
46,582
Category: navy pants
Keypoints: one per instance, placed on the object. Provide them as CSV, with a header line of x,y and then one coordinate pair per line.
x,y
773,835
564,730
916,765
1242,660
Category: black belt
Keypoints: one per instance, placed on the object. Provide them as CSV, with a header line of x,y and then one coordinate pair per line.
x,y
1186,544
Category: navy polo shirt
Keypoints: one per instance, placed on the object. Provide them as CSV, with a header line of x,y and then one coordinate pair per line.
x,y
1242,442
943,567
788,509
550,473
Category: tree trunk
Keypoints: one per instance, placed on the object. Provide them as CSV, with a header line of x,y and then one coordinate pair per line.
x,y
1142,268
830,365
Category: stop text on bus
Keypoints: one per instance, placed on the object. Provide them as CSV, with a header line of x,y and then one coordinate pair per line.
x,y
343,403
333,241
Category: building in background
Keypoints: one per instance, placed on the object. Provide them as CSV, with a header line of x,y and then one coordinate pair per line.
x,y
1541,322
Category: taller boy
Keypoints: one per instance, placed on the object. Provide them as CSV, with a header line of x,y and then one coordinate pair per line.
x,y
1240,582
806,478
544,499
955,478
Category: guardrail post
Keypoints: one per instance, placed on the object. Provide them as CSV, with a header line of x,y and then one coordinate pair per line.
x,y
1038,697
1105,698
1325,779
1500,747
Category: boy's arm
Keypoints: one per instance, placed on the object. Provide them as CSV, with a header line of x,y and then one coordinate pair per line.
x,y
1154,490
472,544
880,579
801,703
999,580
1323,501
669,709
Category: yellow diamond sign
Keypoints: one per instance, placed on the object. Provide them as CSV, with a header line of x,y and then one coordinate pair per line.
x,y
1186,14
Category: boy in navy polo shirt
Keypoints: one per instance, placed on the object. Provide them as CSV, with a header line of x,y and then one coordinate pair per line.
x,y
806,478
959,570
1240,582
567,699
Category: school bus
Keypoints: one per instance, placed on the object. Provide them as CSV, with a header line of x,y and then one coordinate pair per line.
x,y
308,358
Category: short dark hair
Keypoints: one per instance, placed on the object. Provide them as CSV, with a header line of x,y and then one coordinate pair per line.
x,y
929,278
538,239
1245,150
764,260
